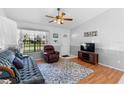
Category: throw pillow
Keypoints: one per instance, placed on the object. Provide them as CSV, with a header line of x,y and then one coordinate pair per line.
x,y
21,56
18,63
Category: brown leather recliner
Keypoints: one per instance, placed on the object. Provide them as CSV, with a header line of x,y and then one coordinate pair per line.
x,y
50,55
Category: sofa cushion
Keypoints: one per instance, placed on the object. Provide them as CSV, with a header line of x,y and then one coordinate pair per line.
x,y
21,56
8,55
18,63
17,74
30,72
4,62
33,80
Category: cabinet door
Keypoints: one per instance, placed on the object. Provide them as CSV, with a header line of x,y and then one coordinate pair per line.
x,y
91,58
80,55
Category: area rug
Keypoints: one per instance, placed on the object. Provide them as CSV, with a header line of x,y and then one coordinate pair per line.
x,y
63,72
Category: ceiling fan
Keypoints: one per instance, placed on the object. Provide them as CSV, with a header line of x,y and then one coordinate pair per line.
x,y
60,18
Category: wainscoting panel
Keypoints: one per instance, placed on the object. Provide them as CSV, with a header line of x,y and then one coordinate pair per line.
x,y
74,50
113,58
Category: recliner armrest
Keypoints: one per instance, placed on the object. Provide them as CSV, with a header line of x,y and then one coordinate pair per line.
x,y
46,54
56,52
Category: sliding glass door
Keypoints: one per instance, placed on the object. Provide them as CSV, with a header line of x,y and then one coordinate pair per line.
x,y
33,40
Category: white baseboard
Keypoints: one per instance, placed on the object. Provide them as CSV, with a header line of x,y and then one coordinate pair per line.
x,y
111,67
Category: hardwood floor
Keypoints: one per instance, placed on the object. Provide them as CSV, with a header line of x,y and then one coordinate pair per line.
x,y
101,75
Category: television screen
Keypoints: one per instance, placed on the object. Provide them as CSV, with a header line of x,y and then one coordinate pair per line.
x,y
90,47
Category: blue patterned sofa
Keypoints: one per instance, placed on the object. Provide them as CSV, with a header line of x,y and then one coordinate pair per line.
x,y
29,74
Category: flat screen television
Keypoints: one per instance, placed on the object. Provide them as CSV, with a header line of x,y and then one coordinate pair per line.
x,y
90,47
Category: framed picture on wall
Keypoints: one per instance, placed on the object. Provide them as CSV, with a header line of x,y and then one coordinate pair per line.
x,y
85,34
65,35
94,33
90,34
55,35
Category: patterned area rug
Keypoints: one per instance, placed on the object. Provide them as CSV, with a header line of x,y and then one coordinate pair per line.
x,y
63,72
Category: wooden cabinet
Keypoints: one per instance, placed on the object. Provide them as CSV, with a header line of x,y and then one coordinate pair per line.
x,y
90,57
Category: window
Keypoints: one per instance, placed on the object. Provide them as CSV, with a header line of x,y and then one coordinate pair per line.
x,y
33,41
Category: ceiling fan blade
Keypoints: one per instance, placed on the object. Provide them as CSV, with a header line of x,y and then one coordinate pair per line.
x,y
51,21
59,19
68,19
50,16
62,15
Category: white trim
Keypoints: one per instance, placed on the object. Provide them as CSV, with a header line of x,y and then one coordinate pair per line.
x,y
111,67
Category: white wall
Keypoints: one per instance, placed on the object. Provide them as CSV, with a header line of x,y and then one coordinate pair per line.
x,y
2,13
8,33
110,26
62,45
110,39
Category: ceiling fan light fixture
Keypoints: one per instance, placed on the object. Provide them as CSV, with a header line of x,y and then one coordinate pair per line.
x,y
58,22
59,19
62,21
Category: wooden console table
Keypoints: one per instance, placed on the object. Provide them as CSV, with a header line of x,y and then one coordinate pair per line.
x,y
90,57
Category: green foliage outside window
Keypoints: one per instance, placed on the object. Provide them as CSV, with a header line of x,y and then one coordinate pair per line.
x,y
34,43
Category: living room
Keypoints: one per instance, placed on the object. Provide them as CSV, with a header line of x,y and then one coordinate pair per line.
x,y
100,26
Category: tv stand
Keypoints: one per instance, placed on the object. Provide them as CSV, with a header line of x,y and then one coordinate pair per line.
x,y
90,57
